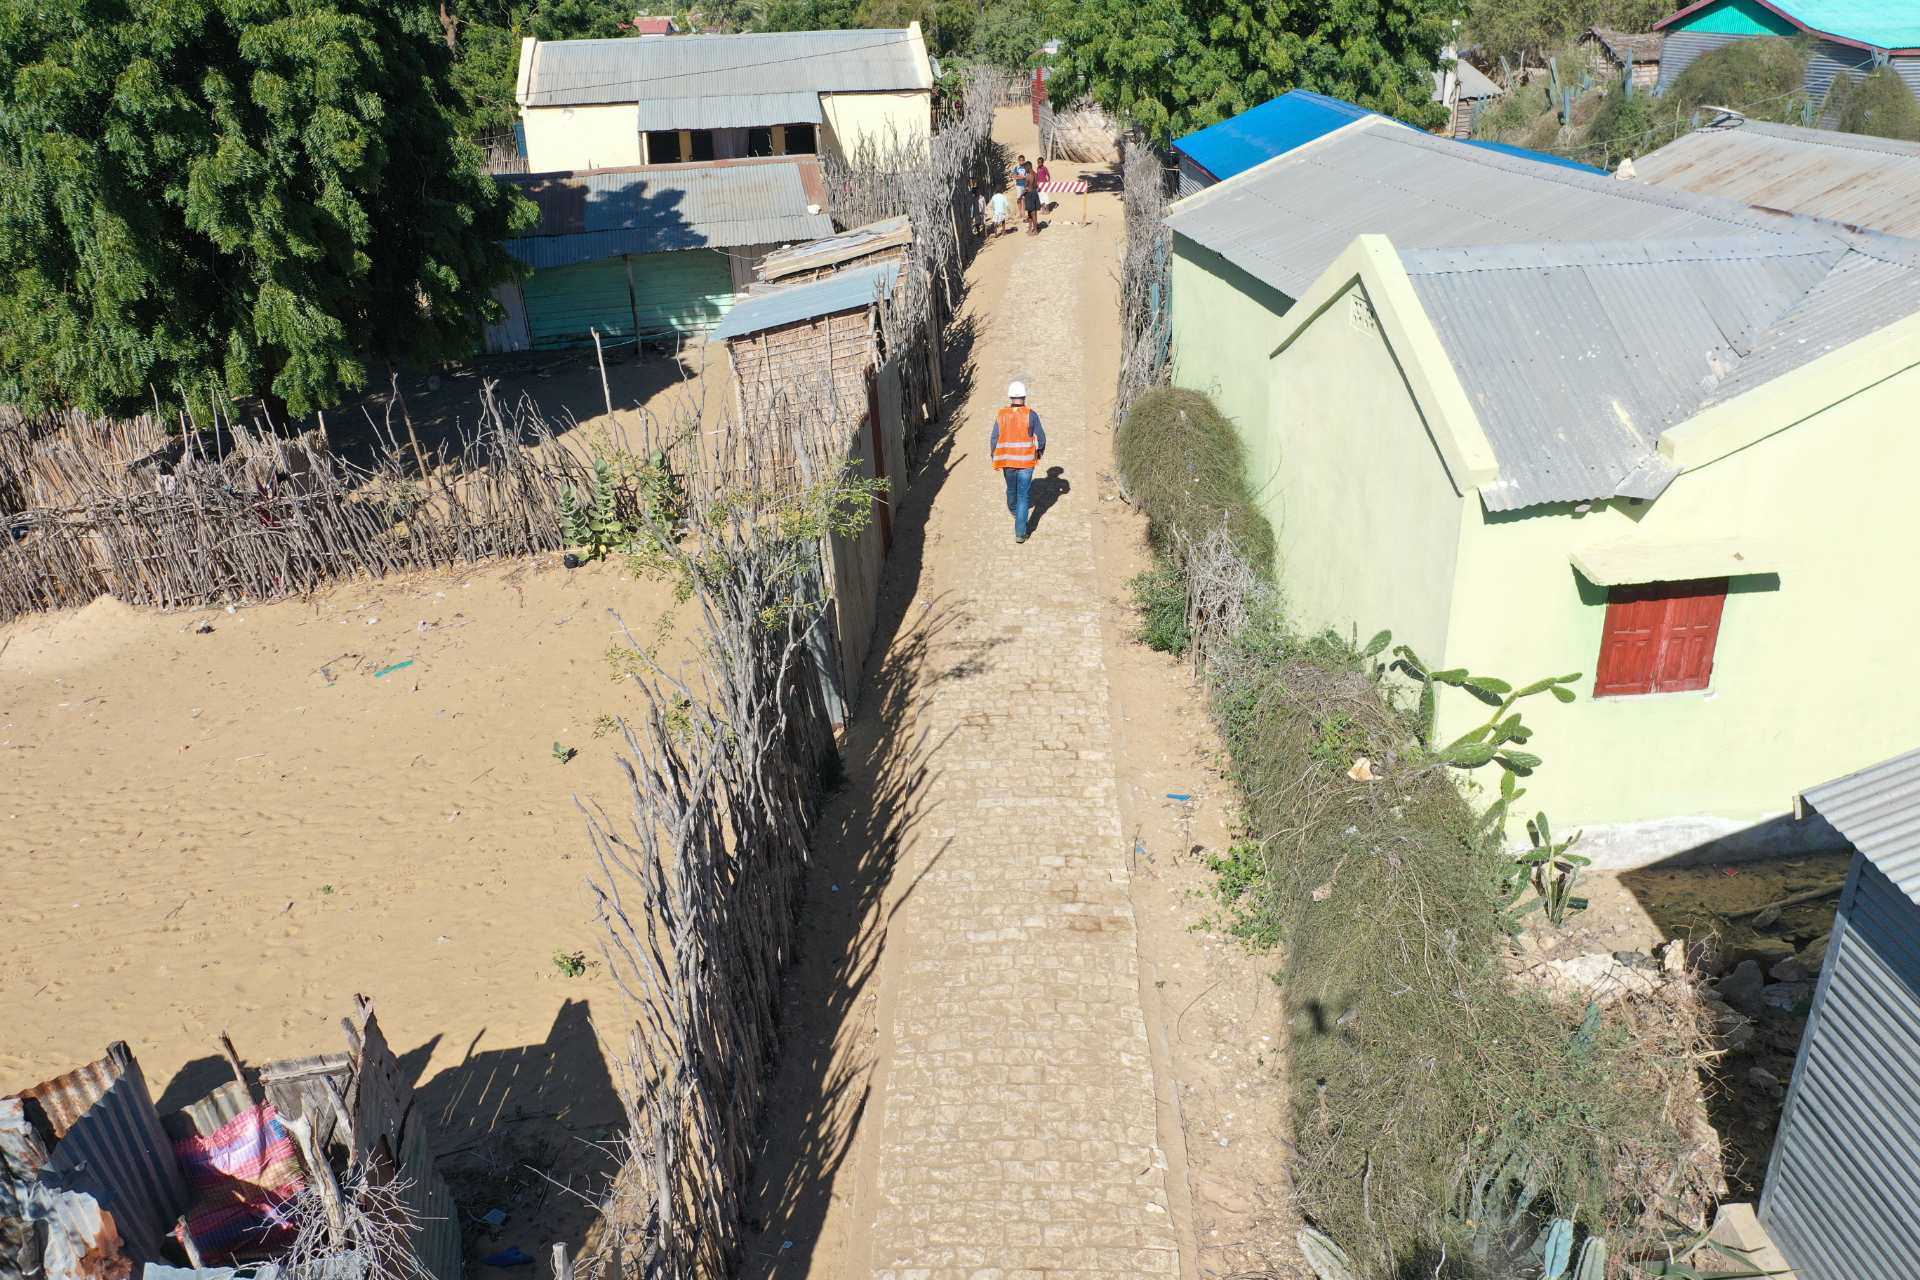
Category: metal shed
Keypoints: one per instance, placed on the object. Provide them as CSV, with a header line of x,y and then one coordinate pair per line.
x,y
1842,1199
655,250
1849,35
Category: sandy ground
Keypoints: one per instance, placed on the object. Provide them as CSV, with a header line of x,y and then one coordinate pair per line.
x,y
237,829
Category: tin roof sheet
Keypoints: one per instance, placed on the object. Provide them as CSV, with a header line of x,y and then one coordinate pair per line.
x,y
841,292
1878,810
1645,47
582,72
730,111
603,213
1869,182
1577,356
846,247
1286,221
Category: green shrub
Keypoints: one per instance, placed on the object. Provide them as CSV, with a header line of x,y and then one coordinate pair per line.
x,y
1879,104
1763,77
1627,125
1184,466
1161,596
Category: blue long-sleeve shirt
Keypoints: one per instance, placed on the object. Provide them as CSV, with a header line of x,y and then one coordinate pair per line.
x,y
1039,435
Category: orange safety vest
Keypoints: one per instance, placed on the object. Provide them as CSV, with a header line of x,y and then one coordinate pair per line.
x,y
1016,447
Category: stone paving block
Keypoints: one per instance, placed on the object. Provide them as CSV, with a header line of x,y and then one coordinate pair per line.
x,y
1019,1093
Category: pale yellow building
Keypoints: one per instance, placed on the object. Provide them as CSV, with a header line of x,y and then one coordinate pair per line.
x,y
597,104
1676,465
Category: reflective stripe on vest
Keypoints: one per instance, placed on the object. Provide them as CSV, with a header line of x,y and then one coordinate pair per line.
x,y
1016,446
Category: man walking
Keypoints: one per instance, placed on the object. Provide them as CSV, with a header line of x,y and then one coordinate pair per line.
x,y
1017,445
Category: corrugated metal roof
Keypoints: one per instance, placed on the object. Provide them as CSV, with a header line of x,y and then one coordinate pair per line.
x,y
1870,289
1883,24
107,1135
1271,129
1868,182
603,213
1644,46
579,72
1528,153
1577,356
841,292
735,111
1288,221
1878,810
846,247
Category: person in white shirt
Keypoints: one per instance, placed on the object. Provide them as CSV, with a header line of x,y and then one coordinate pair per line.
x,y
997,211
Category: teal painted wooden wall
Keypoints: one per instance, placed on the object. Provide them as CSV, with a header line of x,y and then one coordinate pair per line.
x,y
1736,18
677,293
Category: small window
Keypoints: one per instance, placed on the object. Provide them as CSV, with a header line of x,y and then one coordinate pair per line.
x,y
759,142
663,147
800,140
1659,637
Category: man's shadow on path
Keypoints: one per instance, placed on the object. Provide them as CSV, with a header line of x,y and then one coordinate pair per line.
x,y
1044,492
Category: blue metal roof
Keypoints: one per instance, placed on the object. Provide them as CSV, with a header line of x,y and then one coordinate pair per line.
x,y
836,293
1270,129
1507,150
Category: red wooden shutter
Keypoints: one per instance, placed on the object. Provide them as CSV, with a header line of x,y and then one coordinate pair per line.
x,y
1693,624
1659,637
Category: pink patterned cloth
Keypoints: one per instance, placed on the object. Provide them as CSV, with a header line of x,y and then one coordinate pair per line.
x,y
242,1176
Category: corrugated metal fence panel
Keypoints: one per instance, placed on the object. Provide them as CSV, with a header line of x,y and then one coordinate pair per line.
x,y
1909,69
1683,47
384,1107
675,293
126,1154
1845,1176
1827,60
1193,179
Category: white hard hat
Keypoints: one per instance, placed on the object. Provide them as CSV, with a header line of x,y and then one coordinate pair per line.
x,y
1016,391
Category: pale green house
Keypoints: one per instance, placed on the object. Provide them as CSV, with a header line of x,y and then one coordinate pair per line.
x,y
1675,463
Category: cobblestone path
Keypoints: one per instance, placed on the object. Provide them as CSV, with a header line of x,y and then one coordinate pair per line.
x,y
1016,1124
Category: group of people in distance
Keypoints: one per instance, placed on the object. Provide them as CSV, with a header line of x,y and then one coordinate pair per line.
x,y
993,214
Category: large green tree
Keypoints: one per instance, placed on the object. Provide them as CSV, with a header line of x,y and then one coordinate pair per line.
x,y
1175,66
209,199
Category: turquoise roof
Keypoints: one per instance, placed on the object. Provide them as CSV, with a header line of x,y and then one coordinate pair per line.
x,y
1882,24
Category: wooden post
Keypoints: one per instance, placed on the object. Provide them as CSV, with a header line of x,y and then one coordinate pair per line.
x,y
393,380
187,1242
603,372
562,1265
614,1270
633,305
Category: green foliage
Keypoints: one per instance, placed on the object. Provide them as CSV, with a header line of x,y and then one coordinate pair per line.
x,y
1009,34
208,199
603,725
948,25
1537,29
1161,596
1879,104
590,521
1629,125
1241,878
1174,66
1484,743
563,753
570,964
1554,873
1764,77
1185,467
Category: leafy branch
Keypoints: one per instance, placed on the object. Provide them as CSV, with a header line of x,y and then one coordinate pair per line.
x,y
1487,742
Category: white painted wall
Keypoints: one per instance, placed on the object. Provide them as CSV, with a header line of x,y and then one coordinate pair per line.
x,y
596,137
880,116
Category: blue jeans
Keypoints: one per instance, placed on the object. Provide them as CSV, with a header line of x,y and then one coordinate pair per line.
x,y
1019,486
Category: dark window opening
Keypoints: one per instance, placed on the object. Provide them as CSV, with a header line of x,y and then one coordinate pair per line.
x,y
1659,637
759,142
800,140
663,147
702,140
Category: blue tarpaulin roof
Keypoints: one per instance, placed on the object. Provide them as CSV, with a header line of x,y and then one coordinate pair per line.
x,y
836,293
1270,129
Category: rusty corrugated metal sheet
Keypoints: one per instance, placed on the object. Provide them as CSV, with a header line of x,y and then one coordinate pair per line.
x,y
602,213
1862,181
857,243
105,1134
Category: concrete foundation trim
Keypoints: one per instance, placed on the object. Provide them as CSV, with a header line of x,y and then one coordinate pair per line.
x,y
1694,841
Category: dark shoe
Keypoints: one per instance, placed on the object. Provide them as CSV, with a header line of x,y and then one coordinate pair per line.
x,y
1019,537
